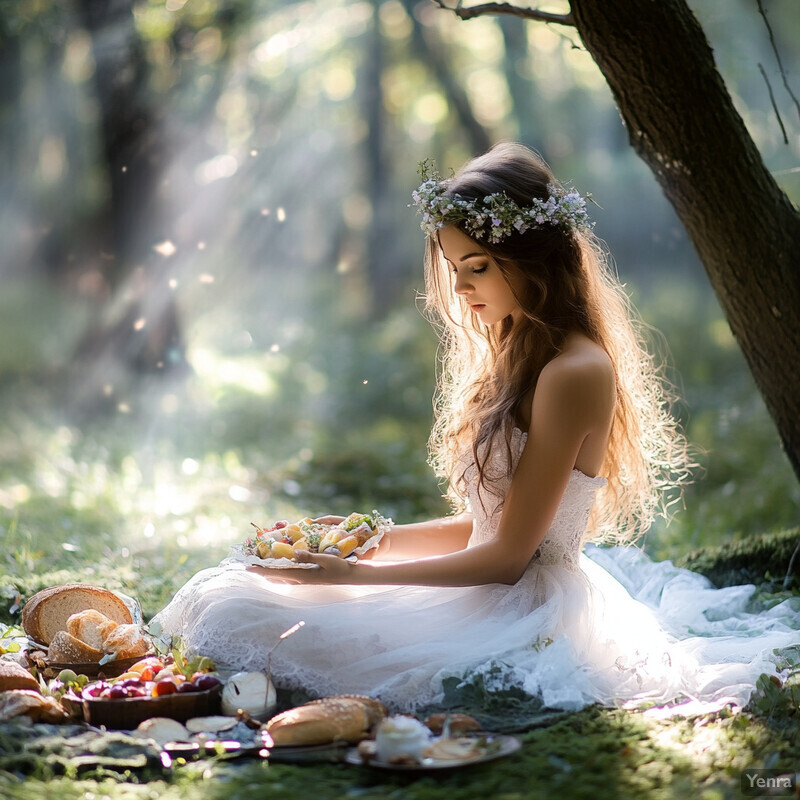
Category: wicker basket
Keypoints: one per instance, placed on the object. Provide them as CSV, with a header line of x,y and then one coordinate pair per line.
x,y
126,714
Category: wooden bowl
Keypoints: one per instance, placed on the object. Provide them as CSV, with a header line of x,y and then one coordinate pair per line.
x,y
127,713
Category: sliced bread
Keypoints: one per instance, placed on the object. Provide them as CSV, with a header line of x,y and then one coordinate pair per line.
x,y
47,612
15,676
90,626
66,649
126,641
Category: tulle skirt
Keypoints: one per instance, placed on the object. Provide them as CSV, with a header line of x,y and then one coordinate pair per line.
x,y
620,630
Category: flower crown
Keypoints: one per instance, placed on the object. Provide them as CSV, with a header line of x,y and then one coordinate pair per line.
x,y
562,208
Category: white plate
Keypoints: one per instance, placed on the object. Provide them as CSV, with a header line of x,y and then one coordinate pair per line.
x,y
239,556
496,746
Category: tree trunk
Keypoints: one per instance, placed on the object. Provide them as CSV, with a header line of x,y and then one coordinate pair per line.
x,y
682,123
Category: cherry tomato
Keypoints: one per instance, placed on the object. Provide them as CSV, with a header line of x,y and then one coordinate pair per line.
x,y
165,686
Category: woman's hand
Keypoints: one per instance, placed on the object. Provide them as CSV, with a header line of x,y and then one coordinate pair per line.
x,y
330,569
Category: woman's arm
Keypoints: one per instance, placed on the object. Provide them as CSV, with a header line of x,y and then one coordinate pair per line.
x,y
574,400
422,539
418,539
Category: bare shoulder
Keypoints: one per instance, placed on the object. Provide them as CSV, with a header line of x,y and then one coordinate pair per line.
x,y
580,380
581,360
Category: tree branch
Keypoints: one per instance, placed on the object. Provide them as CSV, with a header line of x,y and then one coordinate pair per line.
x,y
774,104
778,59
507,8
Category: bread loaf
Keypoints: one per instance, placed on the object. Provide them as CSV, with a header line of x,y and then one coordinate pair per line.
x,y
90,626
459,724
15,676
18,702
340,719
126,641
375,710
66,649
47,612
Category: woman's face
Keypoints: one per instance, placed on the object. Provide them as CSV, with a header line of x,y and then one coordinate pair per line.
x,y
477,278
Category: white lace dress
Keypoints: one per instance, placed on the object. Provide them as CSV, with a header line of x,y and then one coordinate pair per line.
x,y
615,628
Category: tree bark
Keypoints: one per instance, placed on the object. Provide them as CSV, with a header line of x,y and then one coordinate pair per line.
x,y
682,122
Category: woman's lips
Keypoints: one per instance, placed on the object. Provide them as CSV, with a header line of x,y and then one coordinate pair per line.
x,y
478,306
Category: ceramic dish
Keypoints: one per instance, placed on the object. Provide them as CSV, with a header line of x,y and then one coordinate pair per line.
x,y
332,752
210,748
493,746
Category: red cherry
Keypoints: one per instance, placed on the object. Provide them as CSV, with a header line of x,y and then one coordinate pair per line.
x,y
280,524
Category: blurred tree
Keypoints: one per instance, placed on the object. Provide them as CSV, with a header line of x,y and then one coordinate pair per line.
x,y
682,122
429,48
139,327
144,332
386,267
11,131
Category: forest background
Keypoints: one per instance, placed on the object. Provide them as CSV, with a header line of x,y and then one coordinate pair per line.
x,y
210,273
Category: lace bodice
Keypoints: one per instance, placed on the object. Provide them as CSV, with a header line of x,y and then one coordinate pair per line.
x,y
562,543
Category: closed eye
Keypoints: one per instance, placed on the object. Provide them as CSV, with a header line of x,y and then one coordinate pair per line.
x,y
478,271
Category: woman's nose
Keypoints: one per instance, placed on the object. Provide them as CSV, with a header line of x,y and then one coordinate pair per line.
x,y
462,285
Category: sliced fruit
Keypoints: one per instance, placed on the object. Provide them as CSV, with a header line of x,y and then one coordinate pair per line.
x,y
293,532
263,548
331,538
347,545
281,550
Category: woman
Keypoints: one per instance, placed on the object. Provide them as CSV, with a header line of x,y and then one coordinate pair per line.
x,y
551,429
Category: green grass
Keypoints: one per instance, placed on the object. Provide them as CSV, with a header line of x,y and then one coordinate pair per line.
x,y
595,753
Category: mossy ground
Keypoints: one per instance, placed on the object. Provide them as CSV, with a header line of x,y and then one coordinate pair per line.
x,y
594,753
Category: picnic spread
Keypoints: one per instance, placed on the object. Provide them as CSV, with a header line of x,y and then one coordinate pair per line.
x,y
85,662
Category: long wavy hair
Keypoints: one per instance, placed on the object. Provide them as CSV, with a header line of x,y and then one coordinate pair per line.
x,y
564,283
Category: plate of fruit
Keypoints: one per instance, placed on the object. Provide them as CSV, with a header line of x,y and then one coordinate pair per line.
x,y
277,545
152,687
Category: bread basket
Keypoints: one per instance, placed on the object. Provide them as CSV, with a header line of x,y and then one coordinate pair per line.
x,y
127,713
